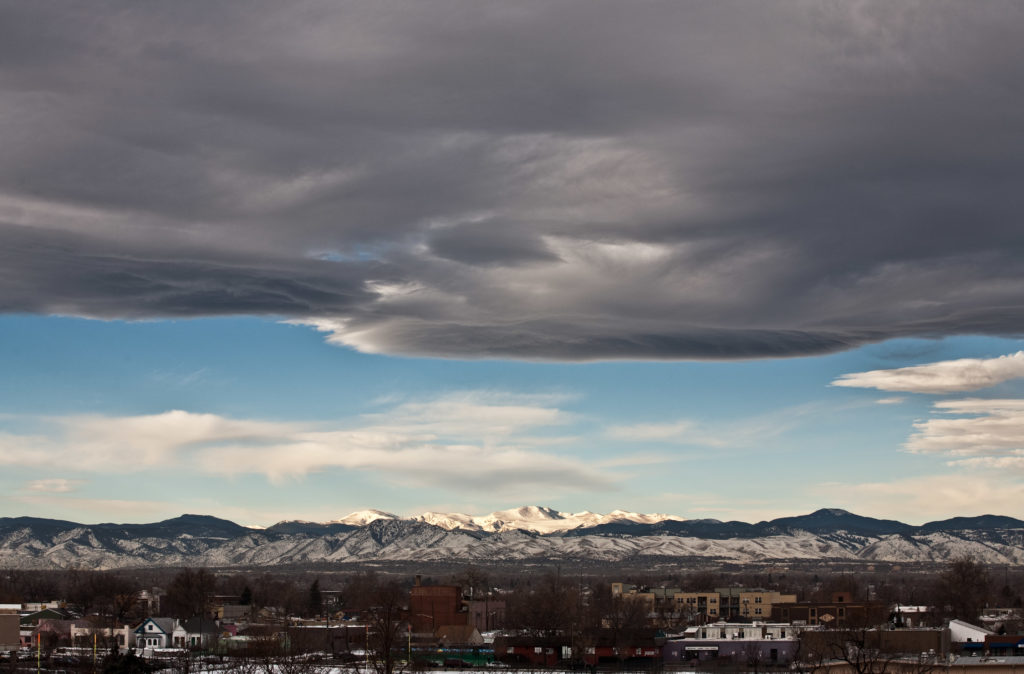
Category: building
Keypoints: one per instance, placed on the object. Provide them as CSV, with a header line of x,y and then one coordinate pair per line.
x,y
487,614
433,606
638,649
826,644
155,632
10,628
201,633
458,636
1004,645
841,611
740,643
696,606
967,638
532,651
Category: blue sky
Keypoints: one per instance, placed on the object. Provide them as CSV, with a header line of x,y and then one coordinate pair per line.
x,y
712,258
755,438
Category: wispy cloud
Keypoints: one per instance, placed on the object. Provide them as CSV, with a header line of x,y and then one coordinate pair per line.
x,y
741,432
979,428
53,485
473,440
929,497
890,401
948,376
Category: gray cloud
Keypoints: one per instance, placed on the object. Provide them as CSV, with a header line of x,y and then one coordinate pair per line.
x,y
545,181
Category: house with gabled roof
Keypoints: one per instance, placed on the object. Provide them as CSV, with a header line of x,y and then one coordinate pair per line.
x,y
196,632
155,632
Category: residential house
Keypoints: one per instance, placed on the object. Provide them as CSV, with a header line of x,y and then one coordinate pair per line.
x,y
196,632
32,618
155,633
52,633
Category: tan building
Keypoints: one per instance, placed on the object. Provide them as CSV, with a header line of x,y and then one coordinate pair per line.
x,y
757,604
692,604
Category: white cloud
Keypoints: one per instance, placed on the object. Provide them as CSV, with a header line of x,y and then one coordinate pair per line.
x,y
476,440
137,510
927,498
53,485
948,376
675,431
984,428
741,432
890,401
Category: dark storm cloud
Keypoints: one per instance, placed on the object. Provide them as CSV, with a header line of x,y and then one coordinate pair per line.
x,y
536,180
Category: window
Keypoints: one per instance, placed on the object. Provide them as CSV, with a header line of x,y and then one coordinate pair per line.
x,y
757,611
757,600
712,612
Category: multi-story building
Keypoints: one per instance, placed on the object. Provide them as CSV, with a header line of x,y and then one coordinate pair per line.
x,y
743,643
757,604
693,605
724,603
841,611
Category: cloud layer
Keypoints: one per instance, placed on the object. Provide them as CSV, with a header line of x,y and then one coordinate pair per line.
x,y
571,181
469,441
948,376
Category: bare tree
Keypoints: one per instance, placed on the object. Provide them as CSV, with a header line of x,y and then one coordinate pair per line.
x,y
963,588
188,592
860,647
384,605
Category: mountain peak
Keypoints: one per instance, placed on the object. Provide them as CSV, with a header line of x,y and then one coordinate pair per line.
x,y
363,517
833,512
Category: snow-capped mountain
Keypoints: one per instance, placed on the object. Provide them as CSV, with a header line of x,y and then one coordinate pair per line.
x,y
536,519
361,518
825,535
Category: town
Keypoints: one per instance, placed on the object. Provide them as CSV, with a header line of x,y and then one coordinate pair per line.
x,y
963,617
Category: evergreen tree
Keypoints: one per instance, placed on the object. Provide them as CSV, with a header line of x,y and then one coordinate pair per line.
x,y
315,598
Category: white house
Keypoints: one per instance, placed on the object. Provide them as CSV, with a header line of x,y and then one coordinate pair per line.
x,y
155,632
196,633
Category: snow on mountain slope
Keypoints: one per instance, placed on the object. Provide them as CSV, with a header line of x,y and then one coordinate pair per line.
x,y
49,544
361,518
535,518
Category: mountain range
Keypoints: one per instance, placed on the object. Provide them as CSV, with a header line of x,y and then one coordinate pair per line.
x,y
530,533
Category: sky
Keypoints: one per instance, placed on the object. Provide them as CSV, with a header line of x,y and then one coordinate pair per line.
x,y
706,258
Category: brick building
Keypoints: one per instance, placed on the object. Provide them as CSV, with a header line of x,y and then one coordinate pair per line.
x,y
433,606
